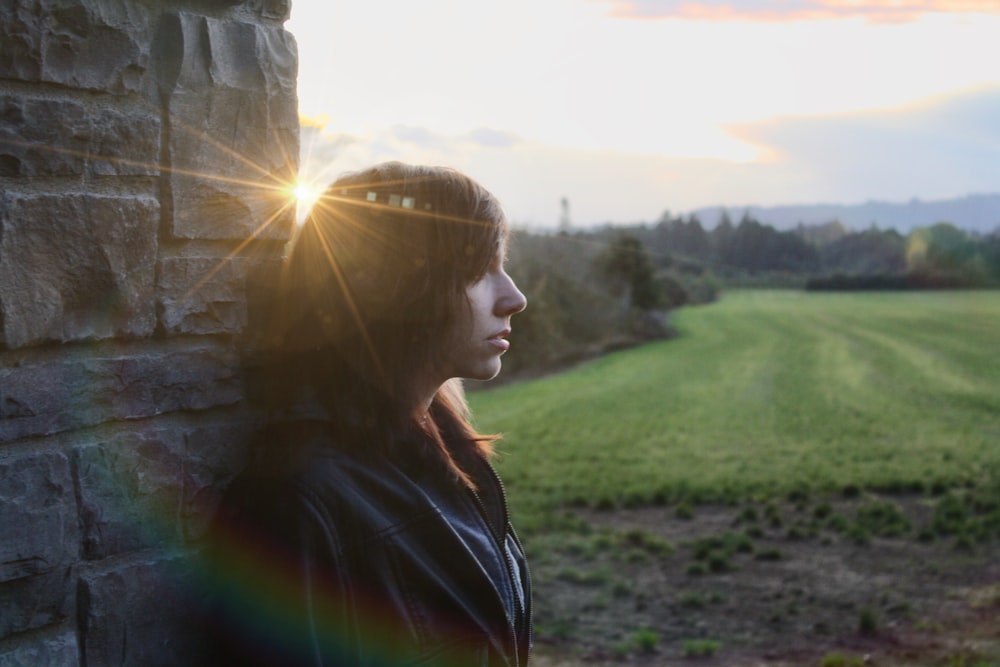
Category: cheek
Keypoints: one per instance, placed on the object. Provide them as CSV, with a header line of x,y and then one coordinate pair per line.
x,y
457,327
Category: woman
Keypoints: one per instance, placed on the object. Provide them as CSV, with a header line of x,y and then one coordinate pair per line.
x,y
371,529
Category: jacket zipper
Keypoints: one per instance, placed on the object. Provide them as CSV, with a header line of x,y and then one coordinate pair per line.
x,y
501,540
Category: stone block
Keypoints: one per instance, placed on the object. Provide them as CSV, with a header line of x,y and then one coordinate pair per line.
x,y
36,602
139,615
59,649
52,396
130,492
62,137
76,267
42,137
214,455
124,143
202,295
100,45
38,515
279,10
229,88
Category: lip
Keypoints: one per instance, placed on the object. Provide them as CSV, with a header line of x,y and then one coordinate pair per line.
x,y
498,340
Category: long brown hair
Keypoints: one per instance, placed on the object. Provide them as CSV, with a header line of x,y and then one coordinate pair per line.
x,y
372,285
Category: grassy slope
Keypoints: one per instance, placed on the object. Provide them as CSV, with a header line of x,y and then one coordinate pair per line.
x,y
764,392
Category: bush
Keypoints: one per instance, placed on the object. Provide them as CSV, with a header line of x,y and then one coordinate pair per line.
x,y
645,640
700,648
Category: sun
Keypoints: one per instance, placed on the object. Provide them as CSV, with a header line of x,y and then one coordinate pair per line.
x,y
305,195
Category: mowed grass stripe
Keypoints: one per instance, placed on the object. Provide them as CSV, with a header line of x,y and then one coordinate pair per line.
x,y
763,392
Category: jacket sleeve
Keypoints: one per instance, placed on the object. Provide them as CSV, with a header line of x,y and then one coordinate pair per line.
x,y
279,590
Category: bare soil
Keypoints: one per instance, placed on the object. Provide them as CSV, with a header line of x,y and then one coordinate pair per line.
x,y
796,596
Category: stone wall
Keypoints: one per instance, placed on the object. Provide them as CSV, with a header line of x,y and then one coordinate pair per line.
x,y
145,150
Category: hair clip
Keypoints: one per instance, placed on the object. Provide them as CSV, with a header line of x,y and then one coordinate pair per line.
x,y
400,201
395,200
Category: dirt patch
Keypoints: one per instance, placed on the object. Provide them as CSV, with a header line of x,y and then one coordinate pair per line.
x,y
766,585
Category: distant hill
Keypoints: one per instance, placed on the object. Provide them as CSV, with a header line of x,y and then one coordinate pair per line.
x,y
979,213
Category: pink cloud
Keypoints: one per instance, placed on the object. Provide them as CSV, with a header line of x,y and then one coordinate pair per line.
x,y
882,11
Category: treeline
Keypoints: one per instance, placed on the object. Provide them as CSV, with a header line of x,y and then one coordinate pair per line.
x,y
751,252
593,290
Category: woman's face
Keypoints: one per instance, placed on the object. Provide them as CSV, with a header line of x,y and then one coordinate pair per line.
x,y
479,336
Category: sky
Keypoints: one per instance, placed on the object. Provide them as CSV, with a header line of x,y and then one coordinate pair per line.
x,y
629,108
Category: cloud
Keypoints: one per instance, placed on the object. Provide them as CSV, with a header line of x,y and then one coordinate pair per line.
x,y
944,147
488,138
880,11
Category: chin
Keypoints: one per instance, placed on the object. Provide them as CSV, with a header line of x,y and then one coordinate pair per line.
x,y
485,373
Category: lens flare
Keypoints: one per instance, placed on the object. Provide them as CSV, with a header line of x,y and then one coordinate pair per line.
x,y
305,195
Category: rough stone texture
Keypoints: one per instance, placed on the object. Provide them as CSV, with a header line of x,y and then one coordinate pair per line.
x,y
91,45
40,543
46,137
214,454
138,615
141,145
202,295
229,180
56,396
130,492
35,602
37,515
59,649
76,266
276,9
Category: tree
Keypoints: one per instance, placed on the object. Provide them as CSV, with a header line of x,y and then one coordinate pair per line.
x,y
627,264
939,248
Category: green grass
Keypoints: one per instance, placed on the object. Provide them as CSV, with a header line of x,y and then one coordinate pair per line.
x,y
763,393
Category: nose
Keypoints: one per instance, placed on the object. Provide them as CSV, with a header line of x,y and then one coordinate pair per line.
x,y
510,300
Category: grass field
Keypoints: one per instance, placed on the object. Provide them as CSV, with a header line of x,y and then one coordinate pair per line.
x,y
763,393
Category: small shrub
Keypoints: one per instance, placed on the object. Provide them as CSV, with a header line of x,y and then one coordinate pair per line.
x,y
684,510
605,504
646,541
700,648
773,515
581,578
562,629
739,543
798,496
705,546
837,659
938,488
797,533
950,515
603,542
718,563
823,511
621,589
850,491
883,518
771,554
697,570
579,548
867,621
838,523
857,534
645,640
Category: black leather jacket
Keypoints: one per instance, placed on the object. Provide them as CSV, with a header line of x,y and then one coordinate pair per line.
x,y
360,563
